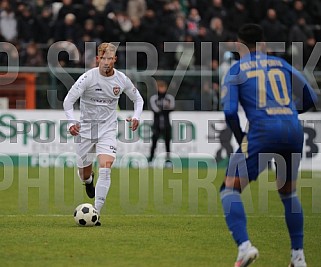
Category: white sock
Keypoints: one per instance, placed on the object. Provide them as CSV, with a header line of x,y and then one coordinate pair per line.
x,y
297,253
102,188
244,245
87,181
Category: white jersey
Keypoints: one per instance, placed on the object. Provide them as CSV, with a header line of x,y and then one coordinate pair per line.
x,y
99,97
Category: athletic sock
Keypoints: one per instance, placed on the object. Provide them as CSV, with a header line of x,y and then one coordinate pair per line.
x,y
297,254
87,181
234,214
294,219
244,245
102,188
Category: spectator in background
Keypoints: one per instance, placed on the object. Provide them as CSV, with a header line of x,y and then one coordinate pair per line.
x,y
66,8
257,9
88,11
115,6
150,24
91,31
161,104
67,30
10,53
32,56
45,24
301,32
237,16
112,30
193,22
100,4
179,30
39,5
283,11
219,34
89,34
185,54
274,30
63,54
217,10
314,10
27,25
166,19
136,8
8,21
204,49
201,5
298,11
136,34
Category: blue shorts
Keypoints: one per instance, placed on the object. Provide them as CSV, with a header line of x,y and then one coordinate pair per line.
x,y
253,156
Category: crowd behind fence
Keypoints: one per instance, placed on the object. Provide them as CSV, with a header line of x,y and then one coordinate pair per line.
x,y
52,40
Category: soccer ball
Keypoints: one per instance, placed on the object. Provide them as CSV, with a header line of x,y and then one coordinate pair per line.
x,y
86,215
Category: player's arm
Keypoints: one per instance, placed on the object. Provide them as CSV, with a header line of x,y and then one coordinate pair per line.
x,y
134,95
230,102
306,96
73,95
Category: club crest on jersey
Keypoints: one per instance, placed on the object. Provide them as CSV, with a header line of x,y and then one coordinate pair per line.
x,y
116,90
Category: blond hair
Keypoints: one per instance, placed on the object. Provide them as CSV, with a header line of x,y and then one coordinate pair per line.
x,y
106,47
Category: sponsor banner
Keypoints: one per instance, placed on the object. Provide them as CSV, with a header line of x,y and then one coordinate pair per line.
x,y
202,136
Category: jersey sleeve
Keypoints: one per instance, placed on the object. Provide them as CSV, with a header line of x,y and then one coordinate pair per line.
x,y
303,91
132,92
73,95
230,101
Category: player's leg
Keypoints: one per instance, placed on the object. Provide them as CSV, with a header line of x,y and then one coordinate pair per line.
x,y
87,176
168,137
235,218
85,155
155,138
104,180
243,168
286,184
106,151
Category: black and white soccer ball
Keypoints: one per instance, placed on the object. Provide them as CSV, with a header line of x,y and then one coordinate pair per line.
x,y
86,215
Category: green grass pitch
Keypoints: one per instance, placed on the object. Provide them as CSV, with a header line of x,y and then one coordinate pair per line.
x,y
152,217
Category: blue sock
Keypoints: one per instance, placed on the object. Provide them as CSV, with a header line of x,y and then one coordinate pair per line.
x,y
234,214
294,219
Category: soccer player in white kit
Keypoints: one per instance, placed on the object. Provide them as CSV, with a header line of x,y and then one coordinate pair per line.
x,y
99,90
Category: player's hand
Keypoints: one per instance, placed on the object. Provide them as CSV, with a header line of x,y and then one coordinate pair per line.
x,y
74,129
134,123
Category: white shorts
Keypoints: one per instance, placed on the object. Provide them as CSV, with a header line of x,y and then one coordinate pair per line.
x,y
89,149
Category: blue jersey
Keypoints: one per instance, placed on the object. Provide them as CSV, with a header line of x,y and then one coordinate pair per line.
x,y
266,86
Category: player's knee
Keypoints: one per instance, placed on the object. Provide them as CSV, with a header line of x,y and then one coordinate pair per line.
x,y
106,164
286,188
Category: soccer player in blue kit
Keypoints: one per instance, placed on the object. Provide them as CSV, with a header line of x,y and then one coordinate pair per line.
x,y
266,87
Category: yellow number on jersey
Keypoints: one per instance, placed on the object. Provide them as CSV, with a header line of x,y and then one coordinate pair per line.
x,y
272,75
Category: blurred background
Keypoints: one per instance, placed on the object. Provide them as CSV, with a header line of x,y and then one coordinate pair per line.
x,y
53,42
